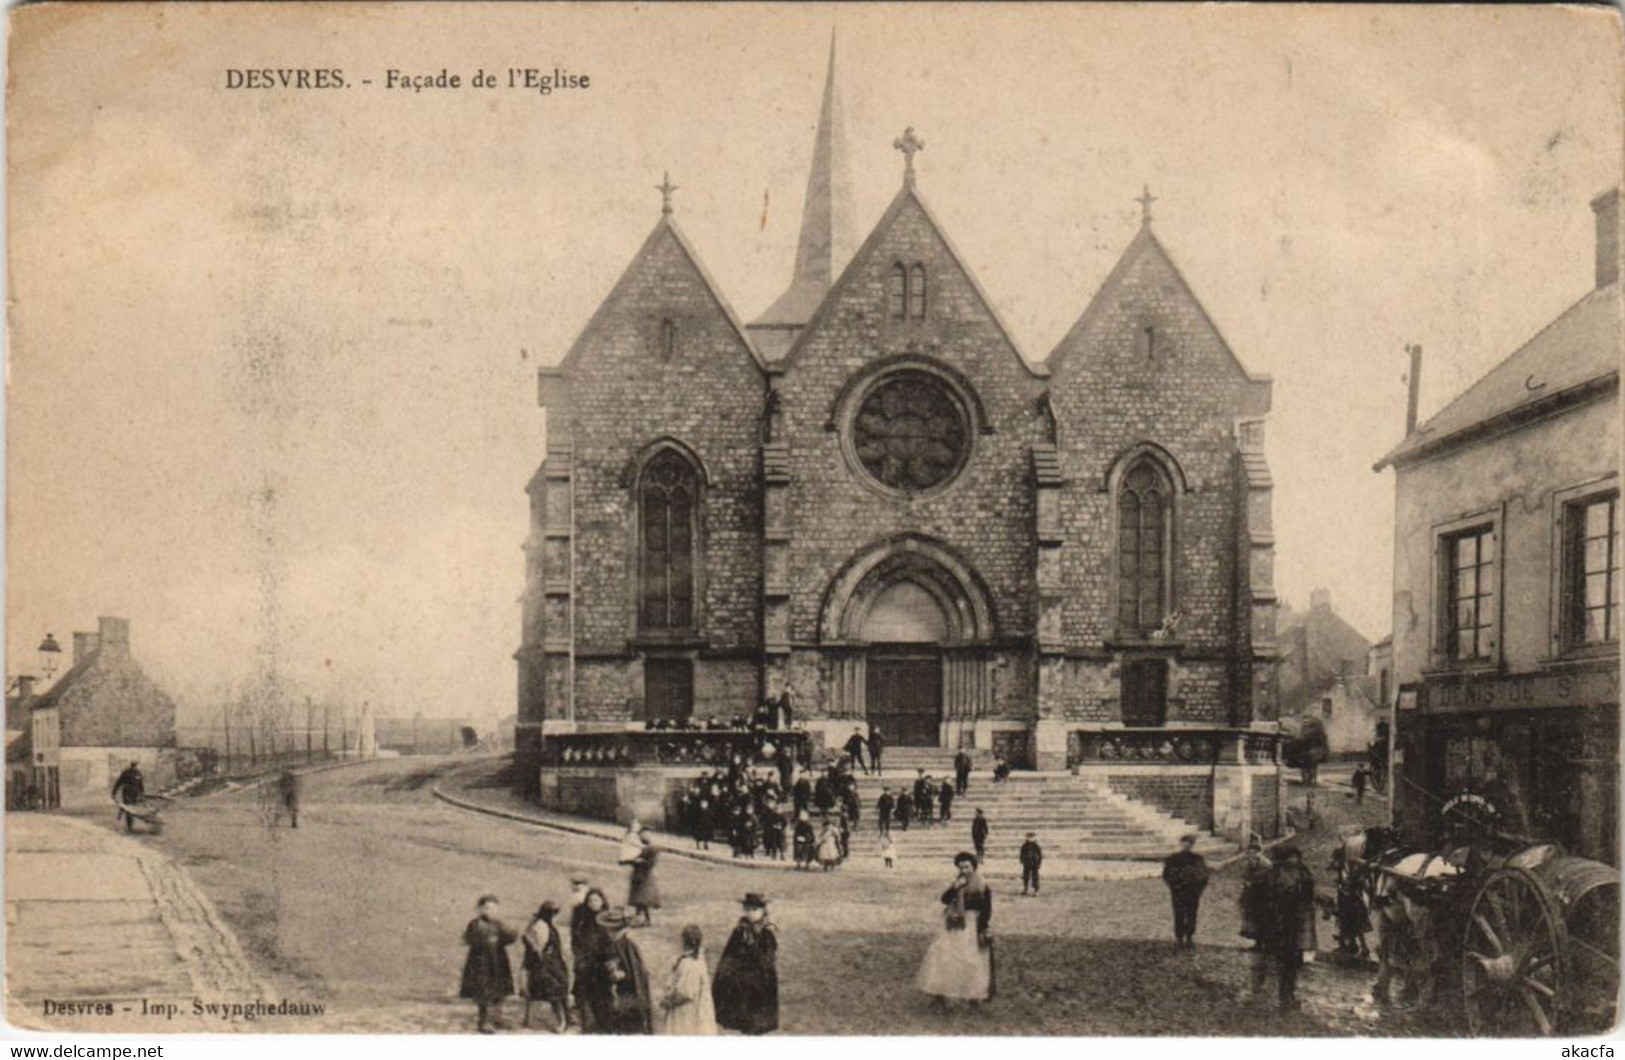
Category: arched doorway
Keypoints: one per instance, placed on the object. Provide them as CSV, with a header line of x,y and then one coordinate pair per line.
x,y
905,629
910,627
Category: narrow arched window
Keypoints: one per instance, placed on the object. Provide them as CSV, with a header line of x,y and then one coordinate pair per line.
x,y
668,338
899,292
668,492
916,292
1144,512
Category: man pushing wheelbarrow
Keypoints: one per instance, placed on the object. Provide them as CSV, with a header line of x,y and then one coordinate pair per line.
x,y
133,802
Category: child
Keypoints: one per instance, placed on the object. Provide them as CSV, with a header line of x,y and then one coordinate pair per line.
x,y
888,850
487,975
546,978
687,1007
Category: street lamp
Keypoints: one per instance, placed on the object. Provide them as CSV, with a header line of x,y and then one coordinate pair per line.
x,y
50,657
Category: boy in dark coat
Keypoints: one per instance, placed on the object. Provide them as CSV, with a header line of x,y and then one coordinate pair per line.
x,y
877,745
1032,856
978,837
854,748
487,974
883,809
905,808
945,800
961,772
746,985
1186,873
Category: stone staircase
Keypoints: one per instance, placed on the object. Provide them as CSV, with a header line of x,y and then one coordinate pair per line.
x,y
1072,817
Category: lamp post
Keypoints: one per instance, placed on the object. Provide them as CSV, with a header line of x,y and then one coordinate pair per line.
x,y
50,657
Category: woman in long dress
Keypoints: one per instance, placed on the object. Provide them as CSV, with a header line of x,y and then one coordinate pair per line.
x,y
546,977
644,893
829,848
586,953
686,1007
747,982
959,964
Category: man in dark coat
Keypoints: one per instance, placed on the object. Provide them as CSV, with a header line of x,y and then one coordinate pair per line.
x,y
883,809
745,987
824,794
128,790
487,973
923,802
978,836
854,748
877,744
1289,923
1186,873
945,800
620,990
905,808
1032,856
287,786
1360,777
962,766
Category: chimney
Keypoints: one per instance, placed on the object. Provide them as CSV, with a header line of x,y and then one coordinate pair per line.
x,y
1606,207
1320,599
25,687
1415,392
84,646
113,635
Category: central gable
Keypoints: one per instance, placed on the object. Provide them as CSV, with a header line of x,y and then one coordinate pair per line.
x,y
906,262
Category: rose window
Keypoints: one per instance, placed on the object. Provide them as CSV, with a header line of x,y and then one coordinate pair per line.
x,y
910,432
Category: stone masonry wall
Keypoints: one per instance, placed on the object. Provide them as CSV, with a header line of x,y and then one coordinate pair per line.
x,y
985,516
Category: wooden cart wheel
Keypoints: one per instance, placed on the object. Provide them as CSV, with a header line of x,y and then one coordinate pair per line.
x,y
1593,938
1513,962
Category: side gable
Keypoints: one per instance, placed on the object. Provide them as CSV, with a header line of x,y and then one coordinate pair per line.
x,y
905,205
1123,301
666,257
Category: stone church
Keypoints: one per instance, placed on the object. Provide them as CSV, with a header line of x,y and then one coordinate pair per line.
x,y
871,494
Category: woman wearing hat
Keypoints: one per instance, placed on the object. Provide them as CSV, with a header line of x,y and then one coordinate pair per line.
x,y
686,1007
643,893
546,978
959,964
588,941
746,987
618,992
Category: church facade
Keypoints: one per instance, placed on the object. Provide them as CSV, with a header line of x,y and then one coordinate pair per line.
x,y
871,495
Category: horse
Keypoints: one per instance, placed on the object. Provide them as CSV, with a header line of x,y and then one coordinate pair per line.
x,y
1402,887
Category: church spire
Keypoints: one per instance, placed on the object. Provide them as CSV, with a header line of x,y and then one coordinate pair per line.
x,y
824,244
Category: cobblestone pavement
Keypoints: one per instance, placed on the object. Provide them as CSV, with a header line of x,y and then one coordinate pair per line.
x,y
360,911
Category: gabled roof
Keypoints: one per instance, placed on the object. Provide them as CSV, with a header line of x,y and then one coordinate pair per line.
x,y
666,226
63,684
1577,353
908,194
1144,242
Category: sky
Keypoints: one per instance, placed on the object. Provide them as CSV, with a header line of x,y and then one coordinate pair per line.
x,y
271,374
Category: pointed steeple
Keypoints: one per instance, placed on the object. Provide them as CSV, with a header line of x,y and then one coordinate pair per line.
x,y
825,244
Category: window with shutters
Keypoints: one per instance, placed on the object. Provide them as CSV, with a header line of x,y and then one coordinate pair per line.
x,y
1590,574
668,494
1467,564
1144,510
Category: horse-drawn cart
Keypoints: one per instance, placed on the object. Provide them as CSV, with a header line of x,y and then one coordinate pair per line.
x,y
1522,934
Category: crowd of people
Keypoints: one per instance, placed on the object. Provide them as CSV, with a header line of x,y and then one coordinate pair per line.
x,y
600,983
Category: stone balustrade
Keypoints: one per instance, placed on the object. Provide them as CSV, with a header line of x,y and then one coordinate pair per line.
x,y
1172,746
676,747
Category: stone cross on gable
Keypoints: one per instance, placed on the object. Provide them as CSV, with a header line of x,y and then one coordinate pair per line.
x,y
1145,200
910,145
665,188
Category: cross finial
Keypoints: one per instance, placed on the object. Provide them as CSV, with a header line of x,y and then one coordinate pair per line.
x,y
665,188
910,145
1145,200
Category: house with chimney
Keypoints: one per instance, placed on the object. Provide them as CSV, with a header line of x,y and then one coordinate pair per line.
x,y
1323,664
1506,606
99,716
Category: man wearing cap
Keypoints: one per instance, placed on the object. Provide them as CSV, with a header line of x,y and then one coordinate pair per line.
x,y
1186,874
1289,922
854,748
1032,856
746,985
